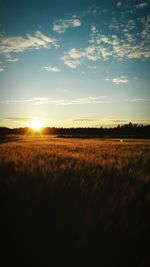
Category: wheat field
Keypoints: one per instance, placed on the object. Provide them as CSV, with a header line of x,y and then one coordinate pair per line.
x,y
75,201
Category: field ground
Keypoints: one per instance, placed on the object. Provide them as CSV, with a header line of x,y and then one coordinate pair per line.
x,y
75,202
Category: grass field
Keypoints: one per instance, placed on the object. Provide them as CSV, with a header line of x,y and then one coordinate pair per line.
x,y
75,202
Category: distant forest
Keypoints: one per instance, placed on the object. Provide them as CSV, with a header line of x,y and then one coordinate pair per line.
x,y
129,130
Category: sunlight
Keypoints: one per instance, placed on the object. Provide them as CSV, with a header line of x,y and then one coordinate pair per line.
x,y
36,124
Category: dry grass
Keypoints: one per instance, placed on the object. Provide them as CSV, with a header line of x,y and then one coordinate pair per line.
x,y
75,201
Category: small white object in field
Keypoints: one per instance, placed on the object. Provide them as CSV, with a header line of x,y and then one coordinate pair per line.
x,y
121,140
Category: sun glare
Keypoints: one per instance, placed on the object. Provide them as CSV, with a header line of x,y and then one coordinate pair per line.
x,y
37,124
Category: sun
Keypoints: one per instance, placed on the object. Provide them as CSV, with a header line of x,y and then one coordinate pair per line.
x,y
36,124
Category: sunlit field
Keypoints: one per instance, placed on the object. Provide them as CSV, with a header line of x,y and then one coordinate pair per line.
x,y
81,202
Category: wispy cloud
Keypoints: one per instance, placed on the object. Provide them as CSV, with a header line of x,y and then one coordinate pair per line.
x,y
138,100
60,26
15,44
87,100
125,121
13,59
10,58
141,5
84,120
1,69
34,101
108,122
121,79
19,119
51,69
48,100
74,101
95,10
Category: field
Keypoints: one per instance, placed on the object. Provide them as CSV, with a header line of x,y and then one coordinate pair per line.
x,y
77,202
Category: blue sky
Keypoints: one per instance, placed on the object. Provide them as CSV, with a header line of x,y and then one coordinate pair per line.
x,y
74,63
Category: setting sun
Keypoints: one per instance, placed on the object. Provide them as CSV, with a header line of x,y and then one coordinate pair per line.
x,y
36,124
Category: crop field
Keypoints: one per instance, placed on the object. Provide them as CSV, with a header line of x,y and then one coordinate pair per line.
x,y
75,202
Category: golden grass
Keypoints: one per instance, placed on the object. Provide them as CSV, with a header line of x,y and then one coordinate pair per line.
x,y
93,196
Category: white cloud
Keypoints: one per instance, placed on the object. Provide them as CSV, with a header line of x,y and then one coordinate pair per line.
x,y
96,51
76,54
61,25
93,29
76,23
1,69
51,69
90,53
12,59
130,37
15,44
105,39
73,58
121,79
119,4
103,47
71,62
141,5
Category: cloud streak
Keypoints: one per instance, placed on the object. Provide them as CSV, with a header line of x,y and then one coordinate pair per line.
x,y
84,120
87,100
121,79
13,59
65,102
73,101
34,101
16,44
19,119
51,69
141,5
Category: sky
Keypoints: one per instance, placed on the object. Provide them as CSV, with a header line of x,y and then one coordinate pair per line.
x,y
79,63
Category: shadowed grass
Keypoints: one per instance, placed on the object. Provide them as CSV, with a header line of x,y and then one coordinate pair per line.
x,y
75,202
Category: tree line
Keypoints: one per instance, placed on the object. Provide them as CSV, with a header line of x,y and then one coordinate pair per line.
x,y
131,130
